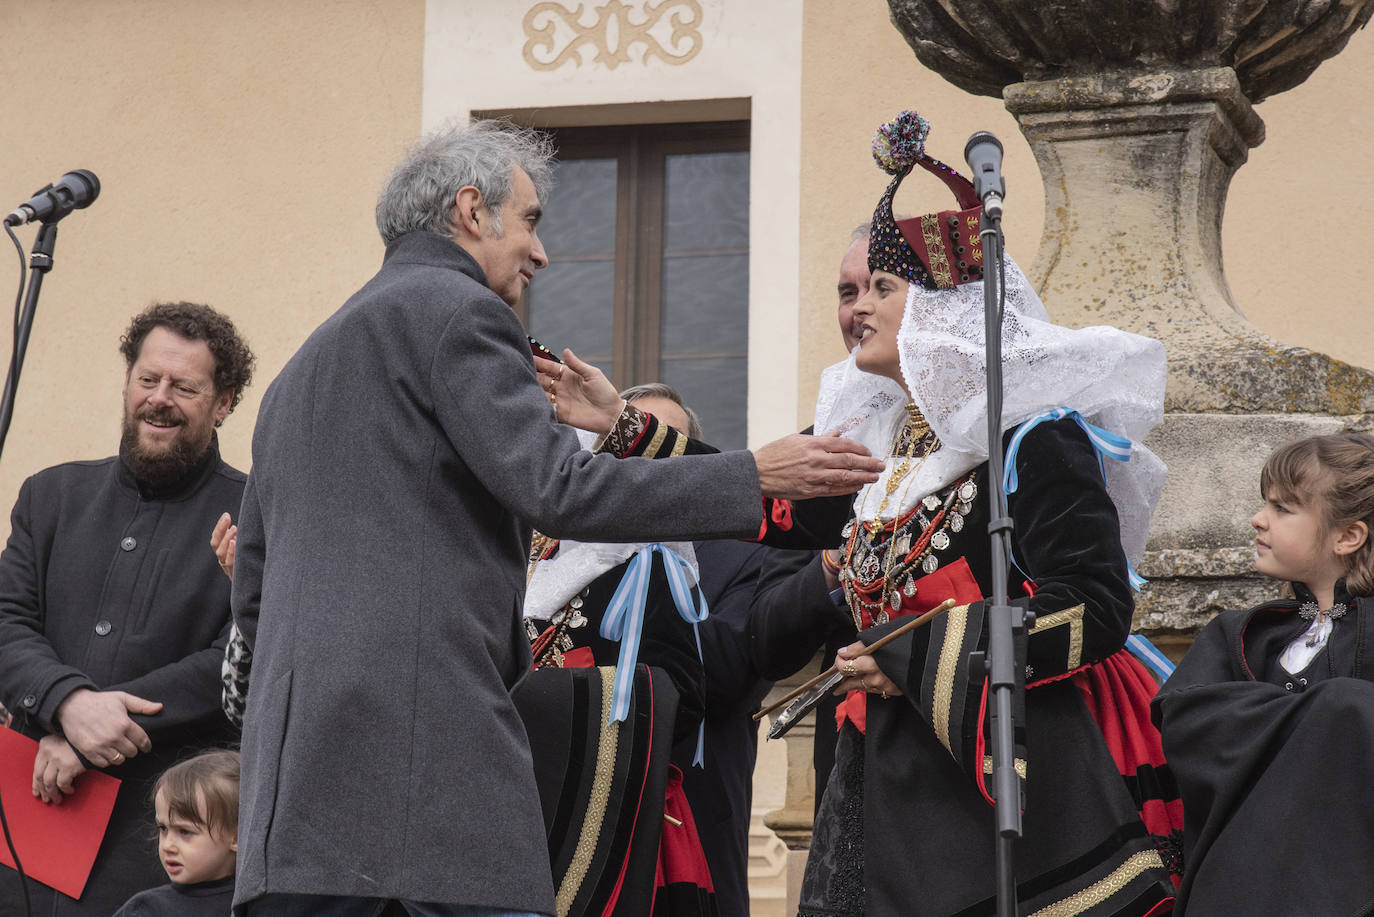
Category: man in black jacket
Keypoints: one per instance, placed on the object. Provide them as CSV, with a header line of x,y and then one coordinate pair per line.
x,y
113,616
785,630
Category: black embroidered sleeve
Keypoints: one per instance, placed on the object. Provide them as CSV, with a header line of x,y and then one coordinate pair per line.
x,y
636,433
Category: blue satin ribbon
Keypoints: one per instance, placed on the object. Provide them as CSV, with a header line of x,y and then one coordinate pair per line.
x,y
623,621
1150,656
1106,444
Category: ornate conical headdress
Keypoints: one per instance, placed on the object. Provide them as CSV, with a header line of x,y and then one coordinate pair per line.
x,y
940,250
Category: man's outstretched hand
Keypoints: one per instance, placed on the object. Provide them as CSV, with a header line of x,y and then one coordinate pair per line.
x,y
799,467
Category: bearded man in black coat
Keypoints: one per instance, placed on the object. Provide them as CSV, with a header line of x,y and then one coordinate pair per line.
x,y
113,616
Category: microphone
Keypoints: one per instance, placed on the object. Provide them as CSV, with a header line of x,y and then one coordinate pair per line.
x,y
983,152
70,192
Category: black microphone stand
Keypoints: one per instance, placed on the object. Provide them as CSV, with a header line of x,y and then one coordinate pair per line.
x,y
40,262
1006,622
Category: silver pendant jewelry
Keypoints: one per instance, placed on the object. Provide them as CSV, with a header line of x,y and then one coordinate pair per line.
x,y
967,491
909,587
576,619
895,599
931,502
531,630
848,529
956,522
576,602
939,541
930,564
1309,611
901,544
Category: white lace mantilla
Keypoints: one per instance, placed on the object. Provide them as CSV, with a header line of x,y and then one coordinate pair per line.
x,y
1113,378
577,564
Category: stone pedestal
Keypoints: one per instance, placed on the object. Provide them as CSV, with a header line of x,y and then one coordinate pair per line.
x,y
1136,167
791,823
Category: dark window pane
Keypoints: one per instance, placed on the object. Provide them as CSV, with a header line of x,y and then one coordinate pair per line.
x,y
579,215
704,327
572,301
715,389
707,202
571,305
706,305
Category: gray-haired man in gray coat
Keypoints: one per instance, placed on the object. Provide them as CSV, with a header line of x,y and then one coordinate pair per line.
x,y
399,462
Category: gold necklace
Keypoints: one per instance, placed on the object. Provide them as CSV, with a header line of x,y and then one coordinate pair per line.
x,y
911,434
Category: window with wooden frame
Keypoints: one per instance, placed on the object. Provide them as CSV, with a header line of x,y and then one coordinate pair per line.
x,y
647,233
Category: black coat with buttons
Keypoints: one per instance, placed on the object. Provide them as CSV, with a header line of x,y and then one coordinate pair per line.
x,y
108,586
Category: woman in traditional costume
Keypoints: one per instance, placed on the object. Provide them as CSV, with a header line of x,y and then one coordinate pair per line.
x,y
905,825
618,680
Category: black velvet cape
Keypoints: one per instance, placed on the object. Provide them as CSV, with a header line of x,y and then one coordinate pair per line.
x,y
602,786
1273,768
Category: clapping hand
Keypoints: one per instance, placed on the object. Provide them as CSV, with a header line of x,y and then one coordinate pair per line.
x,y
224,540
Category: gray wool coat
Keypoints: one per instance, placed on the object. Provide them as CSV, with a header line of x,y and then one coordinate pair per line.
x,y
399,462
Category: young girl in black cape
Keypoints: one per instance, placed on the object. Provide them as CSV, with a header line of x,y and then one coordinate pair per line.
x,y
1268,723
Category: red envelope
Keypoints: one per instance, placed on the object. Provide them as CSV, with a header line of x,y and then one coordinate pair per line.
x,y
56,843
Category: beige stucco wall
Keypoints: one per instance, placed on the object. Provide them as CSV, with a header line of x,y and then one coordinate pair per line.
x,y
239,148
1295,249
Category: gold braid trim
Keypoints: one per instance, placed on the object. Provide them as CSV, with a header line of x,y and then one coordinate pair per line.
x,y
956,622
1074,618
596,805
1018,764
1103,889
679,444
935,248
656,441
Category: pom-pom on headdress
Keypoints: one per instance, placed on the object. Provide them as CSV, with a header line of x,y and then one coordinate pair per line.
x,y
939,250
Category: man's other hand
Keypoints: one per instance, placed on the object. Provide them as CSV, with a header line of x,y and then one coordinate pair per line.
x,y
799,467
55,769
97,724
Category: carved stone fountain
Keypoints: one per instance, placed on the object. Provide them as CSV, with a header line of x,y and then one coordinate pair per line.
x,y
1138,114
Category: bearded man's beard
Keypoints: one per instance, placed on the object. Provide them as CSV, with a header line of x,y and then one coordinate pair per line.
x,y
159,467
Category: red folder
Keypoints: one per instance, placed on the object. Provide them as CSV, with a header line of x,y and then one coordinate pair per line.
x,y
56,843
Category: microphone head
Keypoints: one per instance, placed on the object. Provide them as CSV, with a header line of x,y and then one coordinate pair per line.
x,y
979,138
983,153
79,187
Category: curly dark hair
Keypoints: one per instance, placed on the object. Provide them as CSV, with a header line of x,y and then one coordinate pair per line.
x,y
195,322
